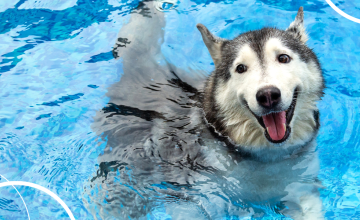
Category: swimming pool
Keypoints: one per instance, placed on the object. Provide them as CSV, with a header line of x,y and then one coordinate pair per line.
x,y
58,75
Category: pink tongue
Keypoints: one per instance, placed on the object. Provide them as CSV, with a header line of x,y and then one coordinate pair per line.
x,y
274,123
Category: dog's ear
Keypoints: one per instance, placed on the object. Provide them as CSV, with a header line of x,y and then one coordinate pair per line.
x,y
212,42
297,28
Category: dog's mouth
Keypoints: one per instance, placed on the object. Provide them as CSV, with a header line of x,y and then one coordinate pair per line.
x,y
277,124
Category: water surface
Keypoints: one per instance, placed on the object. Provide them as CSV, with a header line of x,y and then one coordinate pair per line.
x,y
58,76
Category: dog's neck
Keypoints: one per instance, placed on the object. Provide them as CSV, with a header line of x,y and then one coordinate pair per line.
x,y
263,154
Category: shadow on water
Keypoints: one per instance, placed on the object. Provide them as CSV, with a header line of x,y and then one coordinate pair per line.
x,y
161,158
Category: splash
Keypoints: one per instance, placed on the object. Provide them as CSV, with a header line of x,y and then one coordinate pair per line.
x,y
165,5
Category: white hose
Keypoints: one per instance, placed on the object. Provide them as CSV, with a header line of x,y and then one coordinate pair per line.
x,y
19,195
351,18
21,183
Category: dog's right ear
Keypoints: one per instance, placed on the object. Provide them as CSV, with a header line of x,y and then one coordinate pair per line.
x,y
297,28
212,42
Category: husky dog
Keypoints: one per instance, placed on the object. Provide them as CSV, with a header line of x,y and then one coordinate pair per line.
x,y
264,89
263,95
161,155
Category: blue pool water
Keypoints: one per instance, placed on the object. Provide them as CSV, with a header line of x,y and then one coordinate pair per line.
x,y
58,74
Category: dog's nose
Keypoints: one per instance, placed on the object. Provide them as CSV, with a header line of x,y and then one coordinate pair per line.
x,y
268,97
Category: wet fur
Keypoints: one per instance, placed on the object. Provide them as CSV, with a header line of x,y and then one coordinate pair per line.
x,y
231,117
229,97
159,153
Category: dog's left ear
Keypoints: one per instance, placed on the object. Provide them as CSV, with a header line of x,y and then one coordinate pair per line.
x,y
212,42
297,28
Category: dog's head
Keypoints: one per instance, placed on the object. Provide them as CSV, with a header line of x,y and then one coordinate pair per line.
x,y
265,86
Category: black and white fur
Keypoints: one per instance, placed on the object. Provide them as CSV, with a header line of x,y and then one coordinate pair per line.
x,y
230,103
155,133
231,108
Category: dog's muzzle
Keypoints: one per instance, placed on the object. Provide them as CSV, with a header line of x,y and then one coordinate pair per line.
x,y
276,124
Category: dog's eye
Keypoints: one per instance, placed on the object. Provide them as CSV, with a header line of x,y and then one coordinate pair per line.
x,y
241,68
283,58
